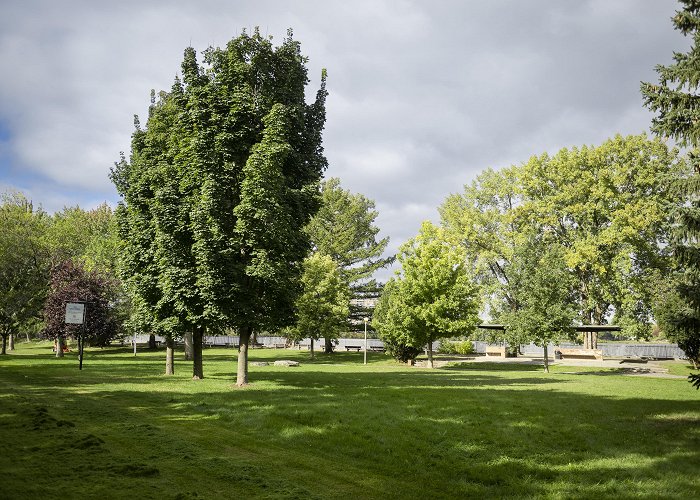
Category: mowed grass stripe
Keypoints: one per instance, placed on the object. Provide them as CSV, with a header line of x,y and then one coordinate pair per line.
x,y
333,428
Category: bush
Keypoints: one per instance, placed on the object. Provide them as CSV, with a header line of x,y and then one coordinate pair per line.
x,y
456,347
401,352
447,347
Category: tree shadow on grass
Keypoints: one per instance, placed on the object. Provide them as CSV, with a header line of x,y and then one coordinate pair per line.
x,y
467,431
446,431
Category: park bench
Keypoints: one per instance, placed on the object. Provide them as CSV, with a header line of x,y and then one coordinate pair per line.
x,y
353,348
277,346
377,348
495,350
573,353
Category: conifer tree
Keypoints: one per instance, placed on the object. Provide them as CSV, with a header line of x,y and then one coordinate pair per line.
x,y
344,229
676,102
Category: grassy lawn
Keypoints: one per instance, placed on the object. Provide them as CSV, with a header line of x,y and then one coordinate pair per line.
x,y
334,428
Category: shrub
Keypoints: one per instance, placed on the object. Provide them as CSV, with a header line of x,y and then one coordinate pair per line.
x,y
456,347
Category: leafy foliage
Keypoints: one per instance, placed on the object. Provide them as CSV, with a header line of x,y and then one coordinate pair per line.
x,y
432,297
23,264
217,190
323,307
72,283
607,207
541,286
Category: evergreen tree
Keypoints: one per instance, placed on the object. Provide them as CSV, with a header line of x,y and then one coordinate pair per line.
x,y
676,102
344,229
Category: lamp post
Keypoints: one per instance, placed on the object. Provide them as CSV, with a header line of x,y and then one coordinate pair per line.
x,y
365,319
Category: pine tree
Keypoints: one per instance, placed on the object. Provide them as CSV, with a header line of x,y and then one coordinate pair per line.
x,y
676,101
344,229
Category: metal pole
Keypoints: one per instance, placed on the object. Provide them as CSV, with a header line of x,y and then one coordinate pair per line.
x,y
365,320
81,343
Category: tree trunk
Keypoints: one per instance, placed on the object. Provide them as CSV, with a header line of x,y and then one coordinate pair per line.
x,y
188,346
28,339
11,345
329,346
4,344
152,341
169,355
60,343
242,373
546,359
430,354
197,367
311,347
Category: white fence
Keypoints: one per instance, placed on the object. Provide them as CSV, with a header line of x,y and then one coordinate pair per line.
x,y
657,351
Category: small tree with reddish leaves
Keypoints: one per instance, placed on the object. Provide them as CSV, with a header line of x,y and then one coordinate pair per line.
x,y
72,283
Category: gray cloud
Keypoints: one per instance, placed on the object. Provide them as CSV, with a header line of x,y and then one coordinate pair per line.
x,y
423,95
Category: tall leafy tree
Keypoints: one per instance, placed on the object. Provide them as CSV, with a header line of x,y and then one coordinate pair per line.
x,y
433,295
608,206
541,285
345,230
23,264
483,220
323,307
217,190
676,102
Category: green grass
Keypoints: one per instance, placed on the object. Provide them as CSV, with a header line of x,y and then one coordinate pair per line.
x,y
334,428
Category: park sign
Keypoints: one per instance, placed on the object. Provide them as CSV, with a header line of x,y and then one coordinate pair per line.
x,y
75,313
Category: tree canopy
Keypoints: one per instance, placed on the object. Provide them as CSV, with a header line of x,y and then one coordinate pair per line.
x,y
217,190
433,295
607,207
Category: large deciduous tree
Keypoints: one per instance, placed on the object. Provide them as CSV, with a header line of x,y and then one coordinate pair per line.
x,y
676,102
541,285
217,191
23,264
607,206
433,295
344,229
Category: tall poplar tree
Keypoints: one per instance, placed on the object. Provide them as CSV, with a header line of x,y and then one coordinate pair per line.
x,y
217,190
676,102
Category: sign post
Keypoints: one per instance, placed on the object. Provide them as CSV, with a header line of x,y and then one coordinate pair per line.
x,y
75,315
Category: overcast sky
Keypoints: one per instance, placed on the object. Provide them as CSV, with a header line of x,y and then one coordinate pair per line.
x,y
423,95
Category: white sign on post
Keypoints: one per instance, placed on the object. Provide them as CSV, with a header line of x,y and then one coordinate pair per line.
x,y
75,313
